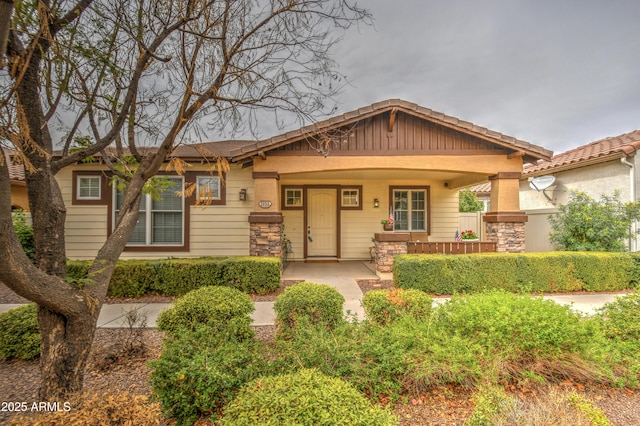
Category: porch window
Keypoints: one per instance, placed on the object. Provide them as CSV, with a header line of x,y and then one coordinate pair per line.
x,y
161,220
292,198
410,209
351,198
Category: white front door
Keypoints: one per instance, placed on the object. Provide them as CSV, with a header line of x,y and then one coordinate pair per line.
x,y
322,221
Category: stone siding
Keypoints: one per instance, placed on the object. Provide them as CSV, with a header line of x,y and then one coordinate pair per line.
x,y
265,239
385,251
509,236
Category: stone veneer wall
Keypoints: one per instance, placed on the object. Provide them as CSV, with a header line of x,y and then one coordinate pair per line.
x,y
509,236
388,246
265,239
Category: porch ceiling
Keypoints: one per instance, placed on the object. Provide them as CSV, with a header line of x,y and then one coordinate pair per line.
x,y
455,179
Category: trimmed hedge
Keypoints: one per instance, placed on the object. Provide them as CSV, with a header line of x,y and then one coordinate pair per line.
x,y
525,272
175,277
19,333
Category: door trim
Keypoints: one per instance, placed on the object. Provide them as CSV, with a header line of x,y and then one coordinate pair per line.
x,y
306,216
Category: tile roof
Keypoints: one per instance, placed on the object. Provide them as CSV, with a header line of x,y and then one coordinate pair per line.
x,y
483,188
388,105
595,152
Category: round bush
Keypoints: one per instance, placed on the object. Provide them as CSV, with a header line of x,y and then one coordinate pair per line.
x,y
313,303
198,372
223,309
386,306
19,334
304,398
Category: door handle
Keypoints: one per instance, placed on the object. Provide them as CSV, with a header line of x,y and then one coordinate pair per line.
x,y
309,234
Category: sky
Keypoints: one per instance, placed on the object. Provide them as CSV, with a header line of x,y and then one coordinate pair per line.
x,y
555,73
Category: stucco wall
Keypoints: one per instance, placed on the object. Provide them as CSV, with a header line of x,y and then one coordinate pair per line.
x,y
595,180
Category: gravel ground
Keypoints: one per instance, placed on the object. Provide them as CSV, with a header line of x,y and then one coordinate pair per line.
x,y
441,406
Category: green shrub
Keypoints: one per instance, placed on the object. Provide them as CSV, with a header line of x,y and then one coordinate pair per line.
x,y
304,398
25,233
622,318
176,277
222,309
199,372
385,306
525,272
320,304
19,334
371,357
526,326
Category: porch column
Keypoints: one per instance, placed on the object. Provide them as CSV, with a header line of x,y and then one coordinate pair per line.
x,y
265,221
388,245
505,221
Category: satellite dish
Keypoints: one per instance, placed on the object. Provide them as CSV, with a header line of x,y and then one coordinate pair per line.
x,y
542,182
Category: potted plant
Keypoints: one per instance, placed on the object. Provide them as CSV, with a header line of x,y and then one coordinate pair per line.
x,y
469,235
387,224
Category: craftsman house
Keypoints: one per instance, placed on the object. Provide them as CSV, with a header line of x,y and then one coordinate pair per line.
x,y
324,187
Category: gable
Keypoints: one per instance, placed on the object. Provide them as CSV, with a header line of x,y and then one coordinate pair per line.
x,y
392,127
409,135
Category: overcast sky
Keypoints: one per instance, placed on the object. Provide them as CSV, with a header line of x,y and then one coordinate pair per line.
x,y
556,73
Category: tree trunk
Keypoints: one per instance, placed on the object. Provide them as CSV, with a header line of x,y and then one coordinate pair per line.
x,y
65,348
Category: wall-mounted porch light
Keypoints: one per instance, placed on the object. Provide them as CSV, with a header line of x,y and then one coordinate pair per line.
x,y
376,203
243,194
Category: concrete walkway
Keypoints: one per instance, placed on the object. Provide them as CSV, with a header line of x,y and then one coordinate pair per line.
x,y
342,276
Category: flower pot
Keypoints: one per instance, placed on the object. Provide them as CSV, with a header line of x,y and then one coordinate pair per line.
x,y
474,240
388,227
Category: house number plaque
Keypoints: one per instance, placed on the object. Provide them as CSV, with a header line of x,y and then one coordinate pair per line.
x,y
265,204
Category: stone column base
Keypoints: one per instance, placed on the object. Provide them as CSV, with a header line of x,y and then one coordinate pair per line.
x,y
265,234
387,246
506,230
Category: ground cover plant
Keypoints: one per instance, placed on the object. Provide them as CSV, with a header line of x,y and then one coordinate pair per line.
x,y
482,340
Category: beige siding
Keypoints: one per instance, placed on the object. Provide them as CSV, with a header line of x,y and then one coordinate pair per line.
x,y
214,230
294,231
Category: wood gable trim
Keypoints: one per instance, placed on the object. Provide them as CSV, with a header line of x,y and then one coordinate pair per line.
x,y
392,112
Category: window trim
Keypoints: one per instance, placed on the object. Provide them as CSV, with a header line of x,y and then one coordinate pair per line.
x,y
75,187
351,188
427,190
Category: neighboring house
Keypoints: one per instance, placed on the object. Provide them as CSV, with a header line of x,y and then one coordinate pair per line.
x,y
19,200
325,187
600,167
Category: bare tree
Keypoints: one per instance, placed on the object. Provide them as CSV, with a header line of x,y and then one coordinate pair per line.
x,y
117,76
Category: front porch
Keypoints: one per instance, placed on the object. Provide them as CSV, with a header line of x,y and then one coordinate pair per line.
x,y
393,159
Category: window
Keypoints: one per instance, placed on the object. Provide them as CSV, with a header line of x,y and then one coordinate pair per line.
x,y
88,187
208,188
292,198
161,220
351,198
410,209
